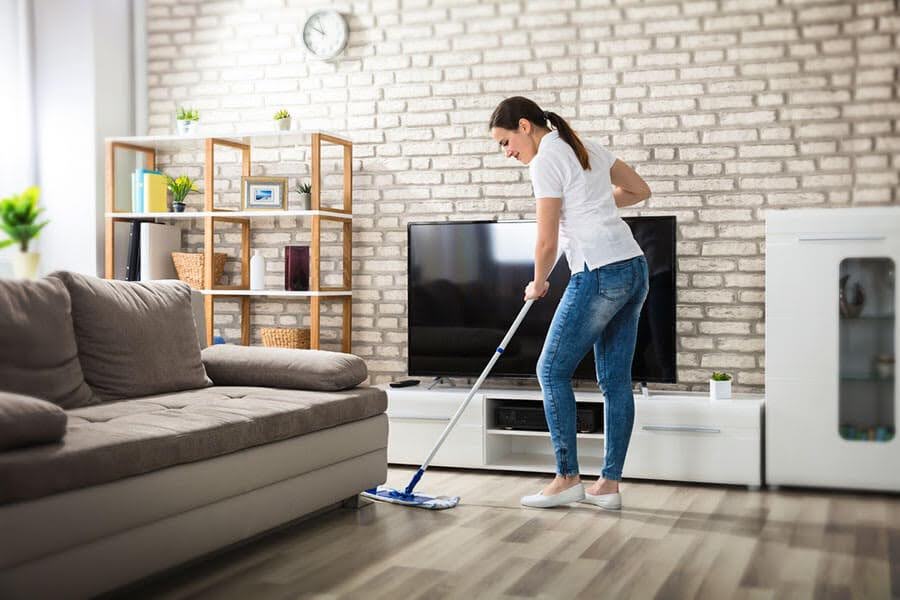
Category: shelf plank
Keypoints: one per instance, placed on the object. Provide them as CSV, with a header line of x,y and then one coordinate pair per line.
x,y
274,293
545,434
195,141
522,461
231,214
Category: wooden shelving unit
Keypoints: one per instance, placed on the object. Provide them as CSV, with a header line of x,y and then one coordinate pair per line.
x,y
150,146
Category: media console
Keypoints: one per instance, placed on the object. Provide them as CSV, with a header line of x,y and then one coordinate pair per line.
x,y
676,436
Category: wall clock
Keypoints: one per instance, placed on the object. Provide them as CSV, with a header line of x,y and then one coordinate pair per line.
x,y
325,34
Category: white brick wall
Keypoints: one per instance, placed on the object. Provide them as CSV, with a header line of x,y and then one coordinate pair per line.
x,y
727,108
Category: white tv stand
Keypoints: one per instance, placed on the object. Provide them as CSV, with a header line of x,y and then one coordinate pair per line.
x,y
677,435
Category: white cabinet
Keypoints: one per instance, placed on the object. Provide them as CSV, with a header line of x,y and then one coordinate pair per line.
x,y
676,436
831,335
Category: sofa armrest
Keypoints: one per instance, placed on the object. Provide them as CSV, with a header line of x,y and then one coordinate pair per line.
x,y
228,364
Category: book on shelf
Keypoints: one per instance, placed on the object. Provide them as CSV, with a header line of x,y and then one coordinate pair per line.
x,y
145,190
133,264
158,242
120,252
155,192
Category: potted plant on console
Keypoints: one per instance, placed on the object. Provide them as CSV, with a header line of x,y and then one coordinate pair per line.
x,y
180,188
719,386
18,214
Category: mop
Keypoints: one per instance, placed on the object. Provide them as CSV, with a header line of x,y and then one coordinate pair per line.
x,y
407,497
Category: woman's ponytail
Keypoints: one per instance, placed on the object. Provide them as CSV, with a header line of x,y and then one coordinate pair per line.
x,y
509,111
571,138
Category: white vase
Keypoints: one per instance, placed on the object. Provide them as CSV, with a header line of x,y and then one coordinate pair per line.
x,y
257,271
305,201
25,265
719,390
283,124
185,126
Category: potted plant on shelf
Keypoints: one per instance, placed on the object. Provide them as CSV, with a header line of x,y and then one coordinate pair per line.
x,y
719,386
305,191
283,120
180,188
18,214
186,120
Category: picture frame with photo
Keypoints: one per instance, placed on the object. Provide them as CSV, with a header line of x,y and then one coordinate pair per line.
x,y
263,193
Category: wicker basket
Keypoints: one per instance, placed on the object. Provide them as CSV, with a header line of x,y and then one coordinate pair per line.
x,y
189,267
285,337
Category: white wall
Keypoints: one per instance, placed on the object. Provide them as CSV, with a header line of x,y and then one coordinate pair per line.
x,y
17,164
728,108
83,75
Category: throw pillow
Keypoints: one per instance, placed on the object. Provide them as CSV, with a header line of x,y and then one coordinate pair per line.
x,y
38,353
135,338
25,421
320,370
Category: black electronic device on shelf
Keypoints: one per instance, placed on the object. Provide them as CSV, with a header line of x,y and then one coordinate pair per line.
x,y
529,416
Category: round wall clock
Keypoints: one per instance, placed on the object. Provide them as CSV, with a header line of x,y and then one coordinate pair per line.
x,y
325,34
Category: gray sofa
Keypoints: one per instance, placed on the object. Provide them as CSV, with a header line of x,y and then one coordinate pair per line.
x,y
168,452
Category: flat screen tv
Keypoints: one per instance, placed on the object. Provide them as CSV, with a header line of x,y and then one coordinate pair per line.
x,y
466,283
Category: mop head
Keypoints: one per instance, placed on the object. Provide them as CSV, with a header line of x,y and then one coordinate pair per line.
x,y
384,494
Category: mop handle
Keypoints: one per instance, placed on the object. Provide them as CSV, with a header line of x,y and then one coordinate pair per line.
x,y
462,407
481,378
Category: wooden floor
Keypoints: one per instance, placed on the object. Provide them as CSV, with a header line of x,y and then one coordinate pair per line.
x,y
670,541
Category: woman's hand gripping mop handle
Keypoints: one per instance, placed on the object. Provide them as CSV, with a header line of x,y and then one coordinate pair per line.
x,y
481,378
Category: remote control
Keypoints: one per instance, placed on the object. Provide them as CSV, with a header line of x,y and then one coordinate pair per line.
x,y
404,383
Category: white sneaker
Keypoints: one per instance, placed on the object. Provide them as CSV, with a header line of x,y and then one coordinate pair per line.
x,y
572,494
607,501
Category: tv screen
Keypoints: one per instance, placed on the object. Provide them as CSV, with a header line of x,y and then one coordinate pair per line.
x,y
466,283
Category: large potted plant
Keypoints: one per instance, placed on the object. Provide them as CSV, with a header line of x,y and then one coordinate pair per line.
x,y
180,188
186,120
18,214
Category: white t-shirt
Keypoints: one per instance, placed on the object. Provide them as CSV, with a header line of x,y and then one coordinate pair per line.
x,y
590,228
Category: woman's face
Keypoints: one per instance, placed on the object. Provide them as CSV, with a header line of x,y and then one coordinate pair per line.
x,y
519,143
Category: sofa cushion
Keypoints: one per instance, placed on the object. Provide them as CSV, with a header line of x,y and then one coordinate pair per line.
x,y
25,421
38,353
111,441
134,338
227,364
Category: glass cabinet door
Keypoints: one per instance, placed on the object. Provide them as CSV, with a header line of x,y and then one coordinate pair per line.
x,y
866,359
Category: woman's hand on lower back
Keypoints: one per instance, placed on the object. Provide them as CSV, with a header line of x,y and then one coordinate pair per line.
x,y
536,291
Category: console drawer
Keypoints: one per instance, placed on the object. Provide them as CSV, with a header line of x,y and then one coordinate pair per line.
x,y
701,414
695,453
434,405
410,441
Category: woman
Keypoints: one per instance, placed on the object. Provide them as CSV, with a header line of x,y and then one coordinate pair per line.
x,y
577,186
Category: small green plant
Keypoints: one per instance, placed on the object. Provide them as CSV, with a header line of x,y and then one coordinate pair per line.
x,y
717,376
18,214
304,188
180,187
187,114
282,114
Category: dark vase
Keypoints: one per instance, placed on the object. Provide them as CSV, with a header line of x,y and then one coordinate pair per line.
x,y
851,305
178,206
296,268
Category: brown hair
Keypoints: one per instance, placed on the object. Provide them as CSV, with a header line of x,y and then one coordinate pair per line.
x,y
508,113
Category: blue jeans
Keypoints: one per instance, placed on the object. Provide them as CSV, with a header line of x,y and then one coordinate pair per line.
x,y
599,308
